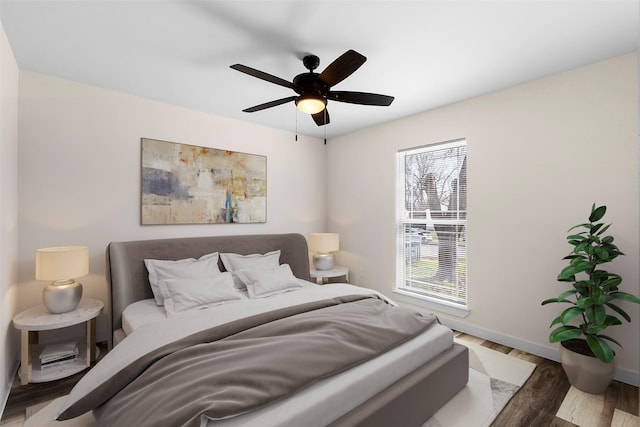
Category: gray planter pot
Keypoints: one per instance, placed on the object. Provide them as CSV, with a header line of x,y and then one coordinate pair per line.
x,y
586,373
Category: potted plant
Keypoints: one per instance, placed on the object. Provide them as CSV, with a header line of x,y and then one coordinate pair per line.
x,y
585,352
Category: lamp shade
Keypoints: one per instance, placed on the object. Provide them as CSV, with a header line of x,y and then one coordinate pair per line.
x,y
310,104
324,242
62,262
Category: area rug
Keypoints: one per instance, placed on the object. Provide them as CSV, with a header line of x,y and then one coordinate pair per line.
x,y
494,378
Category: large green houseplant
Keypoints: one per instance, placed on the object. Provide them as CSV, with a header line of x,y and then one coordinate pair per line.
x,y
593,295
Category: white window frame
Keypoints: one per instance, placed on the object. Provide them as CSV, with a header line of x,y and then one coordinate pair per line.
x,y
428,295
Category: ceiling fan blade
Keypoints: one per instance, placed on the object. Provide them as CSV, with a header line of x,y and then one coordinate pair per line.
x,y
342,68
321,118
360,98
269,104
262,75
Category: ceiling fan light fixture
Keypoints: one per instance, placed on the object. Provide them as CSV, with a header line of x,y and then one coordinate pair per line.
x,y
311,104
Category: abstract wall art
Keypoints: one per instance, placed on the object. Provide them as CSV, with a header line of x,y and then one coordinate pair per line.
x,y
187,184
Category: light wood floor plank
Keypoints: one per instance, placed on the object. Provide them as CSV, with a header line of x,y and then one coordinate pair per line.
x,y
525,356
623,419
559,422
585,409
497,347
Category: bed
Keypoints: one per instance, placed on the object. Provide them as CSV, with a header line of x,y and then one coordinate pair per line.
x,y
404,385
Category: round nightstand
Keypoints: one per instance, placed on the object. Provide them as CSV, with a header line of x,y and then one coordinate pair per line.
x,y
38,318
336,271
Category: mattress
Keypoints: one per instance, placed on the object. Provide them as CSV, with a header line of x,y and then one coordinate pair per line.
x,y
140,313
327,399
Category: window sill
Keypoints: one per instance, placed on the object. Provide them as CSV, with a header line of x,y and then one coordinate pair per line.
x,y
430,303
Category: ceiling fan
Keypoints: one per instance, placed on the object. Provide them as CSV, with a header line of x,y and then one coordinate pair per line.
x,y
314,90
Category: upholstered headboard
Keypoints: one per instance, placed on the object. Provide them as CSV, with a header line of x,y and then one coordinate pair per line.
x,y
128,277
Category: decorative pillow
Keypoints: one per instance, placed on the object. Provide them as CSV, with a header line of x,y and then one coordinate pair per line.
x,y
205,267
262,283
184,294
234,262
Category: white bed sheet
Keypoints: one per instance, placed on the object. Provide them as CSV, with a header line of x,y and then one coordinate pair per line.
x,y
140,313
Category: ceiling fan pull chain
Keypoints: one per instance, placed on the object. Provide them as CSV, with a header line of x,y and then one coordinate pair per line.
x,y
325,128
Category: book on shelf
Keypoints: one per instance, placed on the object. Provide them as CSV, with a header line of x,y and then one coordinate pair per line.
x,y
58,352
57,362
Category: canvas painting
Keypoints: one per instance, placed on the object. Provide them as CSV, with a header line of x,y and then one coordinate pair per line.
x,y
187,184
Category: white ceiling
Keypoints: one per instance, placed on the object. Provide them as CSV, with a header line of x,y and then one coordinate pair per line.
x,y
425,53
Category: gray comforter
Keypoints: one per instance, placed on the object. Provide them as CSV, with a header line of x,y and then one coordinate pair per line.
x,y
241,365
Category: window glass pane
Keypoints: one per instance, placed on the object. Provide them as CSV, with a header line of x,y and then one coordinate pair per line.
x,y
432,221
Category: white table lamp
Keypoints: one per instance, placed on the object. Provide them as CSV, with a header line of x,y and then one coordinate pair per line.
x,y
62,265
323,244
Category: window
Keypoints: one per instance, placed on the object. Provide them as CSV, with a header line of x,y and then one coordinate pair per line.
x,y
432,223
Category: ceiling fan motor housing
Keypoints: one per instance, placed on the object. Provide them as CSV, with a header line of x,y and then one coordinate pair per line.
x,y
309,83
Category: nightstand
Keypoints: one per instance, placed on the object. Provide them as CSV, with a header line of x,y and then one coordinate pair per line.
x,y
36,319
322,276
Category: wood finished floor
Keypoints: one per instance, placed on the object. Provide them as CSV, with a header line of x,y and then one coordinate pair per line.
x,y
546,399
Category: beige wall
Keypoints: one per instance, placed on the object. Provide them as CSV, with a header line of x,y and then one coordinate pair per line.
x,y
79,173
8,214
79,183
539,154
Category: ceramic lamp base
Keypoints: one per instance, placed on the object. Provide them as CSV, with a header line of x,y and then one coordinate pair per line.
x,y
323,261
62,296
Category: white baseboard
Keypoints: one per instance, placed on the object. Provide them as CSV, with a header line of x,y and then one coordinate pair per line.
x,y
623,375
4,398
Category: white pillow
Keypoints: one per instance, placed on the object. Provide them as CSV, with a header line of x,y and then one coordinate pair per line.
x,y
205,267
234,262
262,283
184,294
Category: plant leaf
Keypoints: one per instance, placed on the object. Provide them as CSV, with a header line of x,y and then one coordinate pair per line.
x,y
574,269
620,311
584,246
597,214
570,313
602,253
606,227
624,296
610,339
595,228
596,314
565,332
586,225
550,300
600,348
611,321
612,282
578,236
